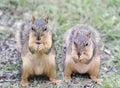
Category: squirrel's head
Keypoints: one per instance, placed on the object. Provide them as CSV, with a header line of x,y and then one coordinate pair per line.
x,y
39,31
82,46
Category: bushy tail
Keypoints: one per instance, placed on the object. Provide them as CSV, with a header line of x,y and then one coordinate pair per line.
x,y
18,40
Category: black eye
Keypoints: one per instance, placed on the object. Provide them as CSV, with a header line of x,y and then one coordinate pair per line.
x,y
45,28
33,29
86,44
75,43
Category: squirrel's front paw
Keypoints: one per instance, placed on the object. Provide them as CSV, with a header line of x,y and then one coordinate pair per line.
x,y
40,47
75,59
35,47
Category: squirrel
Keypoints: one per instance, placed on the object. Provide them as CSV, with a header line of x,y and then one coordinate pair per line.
x,y
82,54
37,50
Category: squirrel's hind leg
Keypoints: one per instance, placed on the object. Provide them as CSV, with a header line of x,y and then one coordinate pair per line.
x,y
27,70
94,78
67,73
52,77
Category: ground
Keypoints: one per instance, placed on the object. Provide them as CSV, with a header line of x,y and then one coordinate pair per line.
x,y
103,15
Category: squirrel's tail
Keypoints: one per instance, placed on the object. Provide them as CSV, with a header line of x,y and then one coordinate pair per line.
x,y
18,37
18,40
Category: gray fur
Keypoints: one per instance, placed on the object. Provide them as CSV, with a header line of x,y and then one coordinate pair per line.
x,y
69,37
39,23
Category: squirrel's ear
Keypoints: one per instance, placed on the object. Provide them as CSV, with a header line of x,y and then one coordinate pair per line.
x,y
75,43
46,18
78,32
33,18
89,34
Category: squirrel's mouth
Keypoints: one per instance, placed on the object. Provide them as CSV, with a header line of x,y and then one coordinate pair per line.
x,y
38,42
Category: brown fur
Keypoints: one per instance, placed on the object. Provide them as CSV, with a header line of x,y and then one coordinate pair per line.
x,y
37,50
82,53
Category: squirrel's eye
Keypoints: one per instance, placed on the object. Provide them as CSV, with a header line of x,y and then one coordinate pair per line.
x,y
86,44
33,29
75,43
45,28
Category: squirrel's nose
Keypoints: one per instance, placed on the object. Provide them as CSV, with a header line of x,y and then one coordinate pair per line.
x,y
38,37
78,54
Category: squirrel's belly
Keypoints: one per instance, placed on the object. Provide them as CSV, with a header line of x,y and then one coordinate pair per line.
x,y
38,66
81,68
38,70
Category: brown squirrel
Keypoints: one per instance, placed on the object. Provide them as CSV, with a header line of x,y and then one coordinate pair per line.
x,y
37,50
82,56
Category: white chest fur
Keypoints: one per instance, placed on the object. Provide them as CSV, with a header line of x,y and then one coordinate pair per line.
x,y
42,63
39,62
81,68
